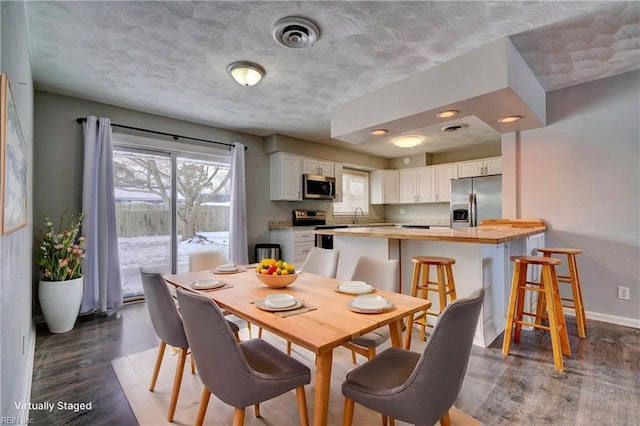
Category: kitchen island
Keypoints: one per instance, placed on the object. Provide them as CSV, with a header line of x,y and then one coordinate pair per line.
x,y
481,254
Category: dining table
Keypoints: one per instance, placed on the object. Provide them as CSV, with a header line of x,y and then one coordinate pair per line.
x,y
328,323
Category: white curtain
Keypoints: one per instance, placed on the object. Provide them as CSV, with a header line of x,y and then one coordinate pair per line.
x,y
238,250
101,267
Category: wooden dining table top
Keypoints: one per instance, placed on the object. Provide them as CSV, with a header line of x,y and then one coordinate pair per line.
x,y
319,330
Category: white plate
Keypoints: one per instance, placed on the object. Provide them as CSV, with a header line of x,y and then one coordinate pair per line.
x,y
280,301
370,302
260,304
207,284
227,268
355,287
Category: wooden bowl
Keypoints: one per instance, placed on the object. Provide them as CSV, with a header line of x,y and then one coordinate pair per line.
x,y
277,281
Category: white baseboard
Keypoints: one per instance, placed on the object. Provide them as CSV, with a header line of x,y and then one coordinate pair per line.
x,y
611,319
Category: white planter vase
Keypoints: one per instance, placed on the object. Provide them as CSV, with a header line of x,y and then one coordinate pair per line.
x,y
60,302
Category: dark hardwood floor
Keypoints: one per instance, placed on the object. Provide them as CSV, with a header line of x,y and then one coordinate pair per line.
x,y
600,386
76,367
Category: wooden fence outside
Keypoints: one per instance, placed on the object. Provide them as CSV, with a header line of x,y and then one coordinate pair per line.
x,y
144,220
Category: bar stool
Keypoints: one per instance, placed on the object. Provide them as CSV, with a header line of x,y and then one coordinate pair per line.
x,y
444,286
575,301
547,288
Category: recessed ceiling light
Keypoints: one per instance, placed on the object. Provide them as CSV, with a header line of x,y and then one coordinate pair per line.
x,y
447,114
378,132
509,119
408,141
246,73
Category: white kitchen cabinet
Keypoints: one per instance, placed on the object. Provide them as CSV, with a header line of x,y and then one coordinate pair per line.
x,y
315,166
295,244
481,167
337,168
285,177
417,185
384,187
442,175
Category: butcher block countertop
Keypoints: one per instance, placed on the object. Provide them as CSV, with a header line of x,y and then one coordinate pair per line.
x,y
485,234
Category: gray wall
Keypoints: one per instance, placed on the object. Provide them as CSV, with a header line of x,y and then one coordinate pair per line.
x,y
17,334
580,174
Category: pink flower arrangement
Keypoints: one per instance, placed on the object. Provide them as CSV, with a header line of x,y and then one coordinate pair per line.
x,y
60,255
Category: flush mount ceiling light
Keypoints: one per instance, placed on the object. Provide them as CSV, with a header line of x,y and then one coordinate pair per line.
x,y
407,141
378,132
447,114
246,73
509,119
295,32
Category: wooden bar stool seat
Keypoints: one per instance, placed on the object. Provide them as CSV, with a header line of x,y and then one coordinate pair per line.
x,y
444,286
574,302
547,288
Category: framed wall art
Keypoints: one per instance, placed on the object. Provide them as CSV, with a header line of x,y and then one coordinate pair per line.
x,y
13,163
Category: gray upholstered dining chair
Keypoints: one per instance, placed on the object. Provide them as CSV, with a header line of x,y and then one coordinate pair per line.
x,y
382,274
321,261
418,388
239,374
167,323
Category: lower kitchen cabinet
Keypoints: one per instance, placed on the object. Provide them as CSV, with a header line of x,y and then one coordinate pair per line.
x,y
295,244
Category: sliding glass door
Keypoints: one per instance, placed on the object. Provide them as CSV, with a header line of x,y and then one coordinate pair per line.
x,y
168,205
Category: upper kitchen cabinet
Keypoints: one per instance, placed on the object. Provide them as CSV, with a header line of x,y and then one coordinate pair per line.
x,y
385,186
443,175
481,167
285,177
337,168
417,185
314,166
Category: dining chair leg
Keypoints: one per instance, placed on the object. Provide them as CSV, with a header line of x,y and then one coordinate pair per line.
x,y
193,365
237,337
156,369
347,416
445,420
372,352
238,417
353,356
177,381
256,411
288,347
384,420
392,421
249,329
260,332
302,406
204,403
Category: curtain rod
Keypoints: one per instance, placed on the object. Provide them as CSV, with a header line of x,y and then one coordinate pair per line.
x,y
174,136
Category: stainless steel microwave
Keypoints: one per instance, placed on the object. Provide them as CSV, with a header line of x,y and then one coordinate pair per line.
x,y
317,187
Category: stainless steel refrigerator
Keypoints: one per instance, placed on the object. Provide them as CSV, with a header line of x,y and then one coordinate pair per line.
x,y
474,199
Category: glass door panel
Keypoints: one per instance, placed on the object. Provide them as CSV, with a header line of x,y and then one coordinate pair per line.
x,y
142,184
203,195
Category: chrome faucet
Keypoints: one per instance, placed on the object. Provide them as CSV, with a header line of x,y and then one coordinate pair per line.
x,y
355,214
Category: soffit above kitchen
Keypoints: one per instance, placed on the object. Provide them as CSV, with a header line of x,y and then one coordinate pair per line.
x,y
170,58
489,83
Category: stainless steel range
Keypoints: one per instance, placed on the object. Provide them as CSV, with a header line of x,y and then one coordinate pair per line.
x,y
317,218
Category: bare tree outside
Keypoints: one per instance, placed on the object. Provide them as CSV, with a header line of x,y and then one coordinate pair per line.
x,y
198,182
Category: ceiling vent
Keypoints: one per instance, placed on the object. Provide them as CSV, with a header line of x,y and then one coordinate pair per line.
x,y
454,128
295,32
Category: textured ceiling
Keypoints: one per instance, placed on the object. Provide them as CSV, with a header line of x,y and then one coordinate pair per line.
x,y
170,58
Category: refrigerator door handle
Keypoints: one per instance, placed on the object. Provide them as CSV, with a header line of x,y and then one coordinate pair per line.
x,y
471,209
474,210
